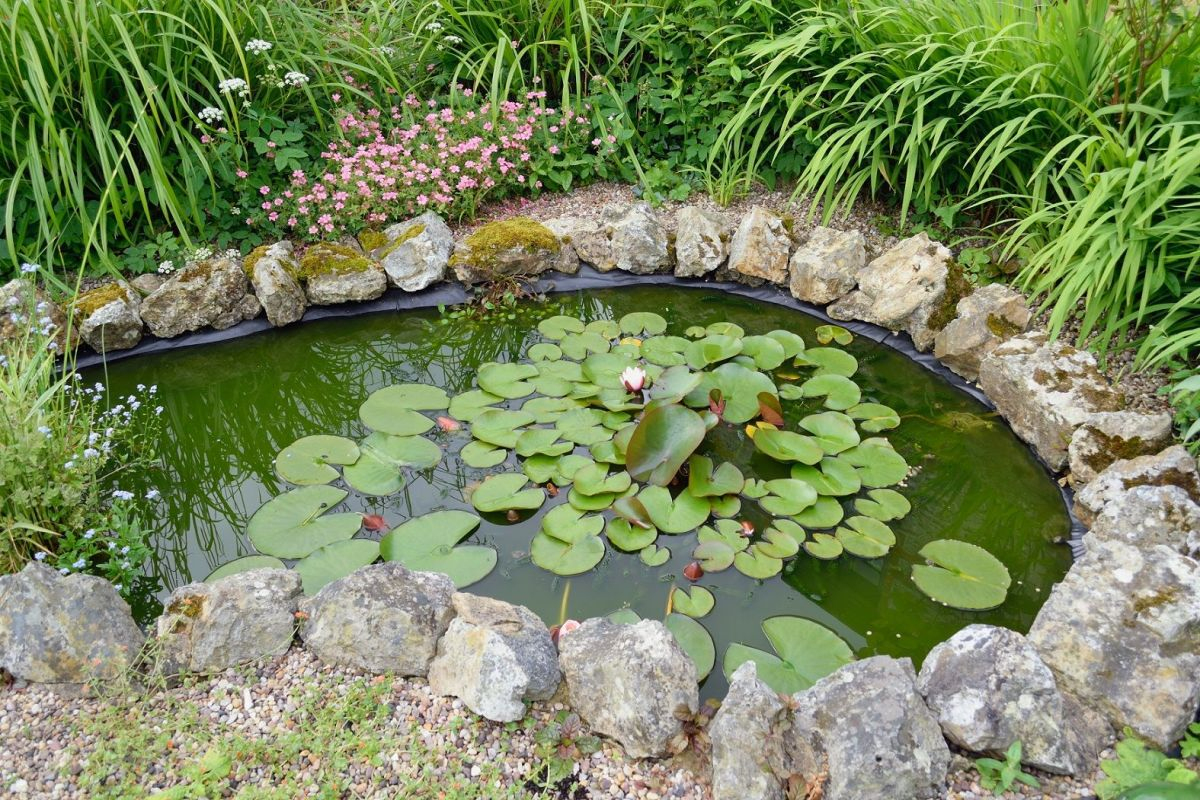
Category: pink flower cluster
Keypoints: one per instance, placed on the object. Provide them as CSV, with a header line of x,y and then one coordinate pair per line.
x,y
420,156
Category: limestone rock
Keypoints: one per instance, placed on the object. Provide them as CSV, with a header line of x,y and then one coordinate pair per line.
x,y
208,627
637,238
581,239
493,656
518,247
1122,633
381,618
825,268
988,688
1046,390
23,303
1147,516
271,272
417,252
744,740
245,309
149,283
1113,435
985,318
627,682
1172,467
109,317
869,728
71,629
760,246
701,241
900,289
208,293
340,273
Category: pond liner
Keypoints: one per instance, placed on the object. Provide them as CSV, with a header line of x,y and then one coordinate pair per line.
x,y
451,293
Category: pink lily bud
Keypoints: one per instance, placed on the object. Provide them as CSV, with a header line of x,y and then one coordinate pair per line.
x,y
633,378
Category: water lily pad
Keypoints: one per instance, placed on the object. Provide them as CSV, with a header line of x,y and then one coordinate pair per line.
x,y
387,417
725,329
666,351
728,531
787,496
664,438
754,563
654,556
608,328
962,575
828,361
714,556
839,391
704,481
244,564
597,502
498,426
583,426
570,525
787,445
712,350
791,343
695,641
790,528
866,537
878,464
884,505
295,523
379,469
823,546
510,381
578,345
559,326
739,387
825,513
833,477
729,505
777,544
674,383
767,352
334,561
604,369
624,535
307,461
482,455
594,479
505,492
696,603
429,543
874,417
544,351
469,405
694,332
755,488
547,410
646,322
833,333
542,441
401,397
806,652
674,514
833,431
564,558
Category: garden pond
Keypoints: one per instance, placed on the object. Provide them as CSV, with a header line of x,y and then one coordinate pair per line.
x,y
231,408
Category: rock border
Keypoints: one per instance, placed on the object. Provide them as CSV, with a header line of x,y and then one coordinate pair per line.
x,y
1128,608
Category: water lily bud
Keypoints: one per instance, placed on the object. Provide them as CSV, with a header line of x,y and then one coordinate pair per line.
x,y
633,378
448,425
747,528
374,522
693,571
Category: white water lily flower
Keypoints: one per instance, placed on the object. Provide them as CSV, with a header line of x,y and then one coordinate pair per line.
x,y
633,378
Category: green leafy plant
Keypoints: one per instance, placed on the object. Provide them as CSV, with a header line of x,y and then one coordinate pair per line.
x,y
999,776
1136,764
562,743
1185,398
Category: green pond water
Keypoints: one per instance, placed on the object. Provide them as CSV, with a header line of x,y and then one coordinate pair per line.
x,y
231,407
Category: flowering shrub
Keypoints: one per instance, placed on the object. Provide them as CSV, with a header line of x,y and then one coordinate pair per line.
x,y
420,156
63,446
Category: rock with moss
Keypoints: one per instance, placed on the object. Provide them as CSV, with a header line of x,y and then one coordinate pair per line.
x,y
637,237
984,319
148,284
239,619
109,317
760,247
22,305
517,247
581,239
1046,390
825,268
210,293
64,630
416,252
1172,467
273,272
1150,516
901,290
701,241
1122,633
335,273
1114,435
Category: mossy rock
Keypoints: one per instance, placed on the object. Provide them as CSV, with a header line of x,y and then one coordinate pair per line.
x,y
91,301
386,247
372,240
327,258
253,258
957,287
517,246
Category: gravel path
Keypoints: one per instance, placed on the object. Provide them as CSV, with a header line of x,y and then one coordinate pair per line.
x,y
296,727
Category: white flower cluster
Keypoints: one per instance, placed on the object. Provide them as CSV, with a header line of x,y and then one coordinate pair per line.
x,y
450,38
387,50
200,254
294,78
258,46
166,268
232,85
211,114
433,25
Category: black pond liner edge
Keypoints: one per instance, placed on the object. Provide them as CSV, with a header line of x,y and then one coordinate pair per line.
x,y
449,293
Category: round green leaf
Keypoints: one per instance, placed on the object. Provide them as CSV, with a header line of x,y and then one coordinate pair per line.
x,y
509,381
482,455
564,558
498,426
402,397
703,481
559,326
884,505
866,537
740,388
664,438
754,563
570,525
696,603
334,561
711,350
962,575
714,556
666,351
295,524
654,556
695,641
725,329
541,441
578,345
829,360
874,417
833,477
766,351
839,391
878,464
607,328
787,496
544,351
584,426
806,652
825,513
833,333
778,544
307,461
791,343
379,470
428,544
643,322
729,505
823,546
594,479
547,410
469,405
503,492
787,445
626,536
674,514
833,431
244,564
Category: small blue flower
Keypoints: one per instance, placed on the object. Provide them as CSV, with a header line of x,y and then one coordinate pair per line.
x,y
89,533
125,550
40,556
152,494
80,564
64,571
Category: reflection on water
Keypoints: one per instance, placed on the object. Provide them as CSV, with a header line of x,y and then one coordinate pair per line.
x,y
231,407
